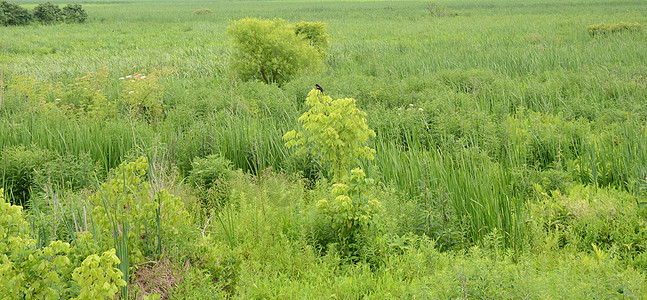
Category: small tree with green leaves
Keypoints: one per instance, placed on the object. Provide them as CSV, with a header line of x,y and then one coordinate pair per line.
x,y
48,13
13,14
74,13
335,130
272,50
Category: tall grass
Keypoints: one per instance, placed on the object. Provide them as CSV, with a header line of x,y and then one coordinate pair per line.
x,y
478,93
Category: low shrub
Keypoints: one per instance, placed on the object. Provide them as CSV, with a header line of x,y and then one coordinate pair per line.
x,y
271,50
202,11
31,272
348,212
605,29
586,218
210,177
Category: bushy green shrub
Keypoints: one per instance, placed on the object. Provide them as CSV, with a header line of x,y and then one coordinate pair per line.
x,y
349,211
271,50
206,171
334,130
210,177
48,13
13,14
126,202
29,272
74,13
604,29
98,277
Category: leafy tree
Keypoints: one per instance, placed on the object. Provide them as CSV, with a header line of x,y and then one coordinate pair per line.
x,y
336,130
13,14
74,13
271,50
48,13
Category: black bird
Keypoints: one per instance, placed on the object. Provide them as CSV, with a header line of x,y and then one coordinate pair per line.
x,y
318,87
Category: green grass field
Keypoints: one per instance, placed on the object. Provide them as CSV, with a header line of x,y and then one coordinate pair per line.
x,y
511,150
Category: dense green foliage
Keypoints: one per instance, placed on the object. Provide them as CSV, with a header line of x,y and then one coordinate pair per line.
x,y
335,131
48,13
74,13
31,272
510,151
273,51
12,14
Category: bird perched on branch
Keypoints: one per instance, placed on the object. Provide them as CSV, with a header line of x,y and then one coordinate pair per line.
x,y
318,87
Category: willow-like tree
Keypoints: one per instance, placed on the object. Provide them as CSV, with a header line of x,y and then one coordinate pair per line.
x,y
273,50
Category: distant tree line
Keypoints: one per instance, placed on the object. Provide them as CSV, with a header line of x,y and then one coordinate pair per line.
x,y
12,14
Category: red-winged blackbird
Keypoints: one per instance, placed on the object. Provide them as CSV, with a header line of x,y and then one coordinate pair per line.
x,y
318,87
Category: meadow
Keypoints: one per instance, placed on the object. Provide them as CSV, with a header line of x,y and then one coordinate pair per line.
x,y
511,152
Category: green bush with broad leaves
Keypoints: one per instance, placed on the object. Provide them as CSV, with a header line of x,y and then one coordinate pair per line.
x,y
48,13
13,14
74,13
98,277
335,130
350,210
272,51
29,272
